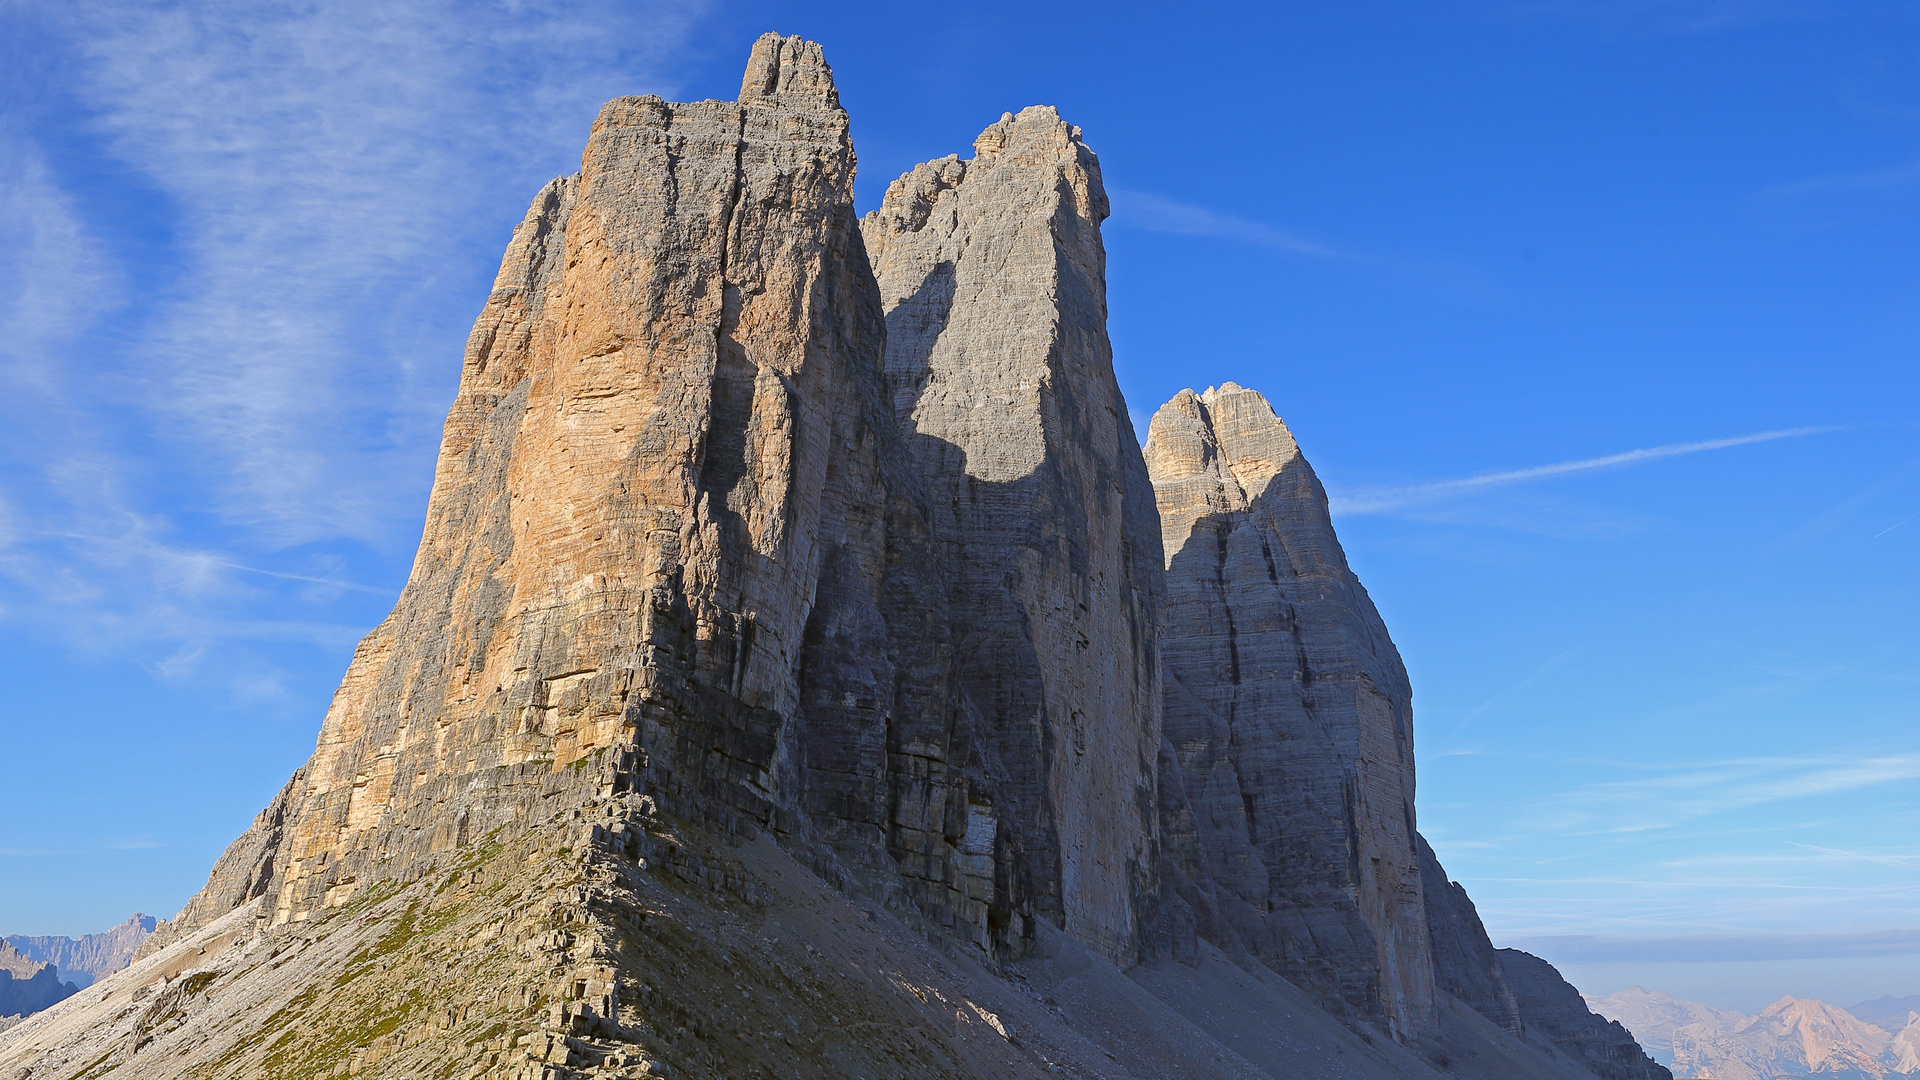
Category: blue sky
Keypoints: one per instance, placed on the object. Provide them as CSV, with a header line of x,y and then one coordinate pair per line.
x,y
1597,319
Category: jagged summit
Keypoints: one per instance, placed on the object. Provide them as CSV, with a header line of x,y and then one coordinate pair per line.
x,y
1290,714
805,672
783,66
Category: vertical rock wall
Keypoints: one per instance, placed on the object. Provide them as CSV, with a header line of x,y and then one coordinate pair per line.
x,y
659,427
993,277
687,515
840,530
1289,716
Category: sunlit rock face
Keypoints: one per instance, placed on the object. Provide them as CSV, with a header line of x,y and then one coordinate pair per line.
x,y
1290,718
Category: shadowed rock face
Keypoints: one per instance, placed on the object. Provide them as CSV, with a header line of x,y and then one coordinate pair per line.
x,y
754,523
993,277
1289,717
1465,963
1553,1010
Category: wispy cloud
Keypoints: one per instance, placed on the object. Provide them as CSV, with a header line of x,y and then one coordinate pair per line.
x,y
1683,792
1897,524
1157,213
55,277
327,163
1866,180
1595,949
322,192
1453,280
1385,500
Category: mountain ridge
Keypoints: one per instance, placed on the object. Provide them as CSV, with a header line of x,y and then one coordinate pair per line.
x,y
89,956
805,668
1792,1037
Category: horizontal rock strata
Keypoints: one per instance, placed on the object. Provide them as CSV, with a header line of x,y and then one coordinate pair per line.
x,y
684,516
1290,716
993,278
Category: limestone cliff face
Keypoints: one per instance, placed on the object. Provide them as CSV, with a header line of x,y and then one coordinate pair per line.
x,y
1289,716
993,277
680,543
639,480
1554,1012
759,534
1465,963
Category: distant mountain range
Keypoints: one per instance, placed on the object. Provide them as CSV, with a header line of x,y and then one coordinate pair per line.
x,y
86,958
27,986
1791,1038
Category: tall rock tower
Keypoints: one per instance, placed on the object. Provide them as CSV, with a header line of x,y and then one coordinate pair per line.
x,y
658,424
1290,716
993,277
699,532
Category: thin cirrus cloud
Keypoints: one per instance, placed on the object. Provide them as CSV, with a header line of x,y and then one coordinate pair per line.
x,y
1867,180
1688,792
319,165
1452,280
322,189
58,275
1387,500
1680,949
1157,213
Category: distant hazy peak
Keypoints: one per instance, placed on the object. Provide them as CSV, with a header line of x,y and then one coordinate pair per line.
x,y
86,958
1790,1037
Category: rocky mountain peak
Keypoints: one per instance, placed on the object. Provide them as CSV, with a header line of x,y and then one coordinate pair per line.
x,y
90,956
805,671
28,985
1289,713
787,70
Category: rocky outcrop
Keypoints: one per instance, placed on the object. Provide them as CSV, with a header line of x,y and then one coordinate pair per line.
x,y
1465,963
1000,374
1288,777
1553,1011
89,956
27,985
1289,716
658,431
